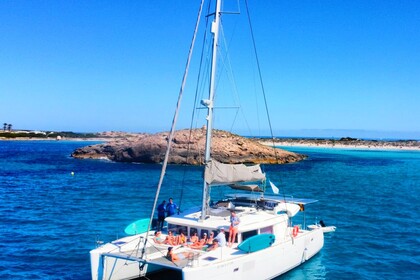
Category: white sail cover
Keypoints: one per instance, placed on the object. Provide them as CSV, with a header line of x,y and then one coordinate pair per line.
x,y
217,173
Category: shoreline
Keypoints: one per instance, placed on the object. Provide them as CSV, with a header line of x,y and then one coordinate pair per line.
x,y
398,145
55,140
364,145
68,136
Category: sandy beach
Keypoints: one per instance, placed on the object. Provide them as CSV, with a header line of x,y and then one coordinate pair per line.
x,y
410,145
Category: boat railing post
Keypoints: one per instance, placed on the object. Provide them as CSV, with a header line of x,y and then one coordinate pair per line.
x,y
195,260
190,259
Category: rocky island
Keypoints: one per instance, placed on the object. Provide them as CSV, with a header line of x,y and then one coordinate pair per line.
x,y
188,148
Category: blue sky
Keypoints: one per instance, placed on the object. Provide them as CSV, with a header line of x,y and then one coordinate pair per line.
x,y
329,67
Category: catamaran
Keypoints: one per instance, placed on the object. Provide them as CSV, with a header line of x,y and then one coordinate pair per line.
x,y
267,243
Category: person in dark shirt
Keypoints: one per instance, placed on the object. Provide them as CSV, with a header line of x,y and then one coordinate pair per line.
x,y
171,208
161,215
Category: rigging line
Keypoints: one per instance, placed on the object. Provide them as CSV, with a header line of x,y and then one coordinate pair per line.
x,y
235,117
172,133
227,64
260,75
203,70
193,111
198,84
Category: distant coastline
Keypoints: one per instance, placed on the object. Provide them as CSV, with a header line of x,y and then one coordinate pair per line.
x,y
344,143
31,135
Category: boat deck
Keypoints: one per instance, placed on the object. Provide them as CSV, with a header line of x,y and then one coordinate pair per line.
x,y
189,257
194,257
156,254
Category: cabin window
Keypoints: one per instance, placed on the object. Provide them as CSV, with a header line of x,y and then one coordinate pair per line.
x,y
192,231
270,205
182,229
172,228
204,231
176,229
267,229
248,234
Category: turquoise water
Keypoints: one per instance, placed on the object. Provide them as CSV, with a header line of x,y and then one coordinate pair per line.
x,y
50,219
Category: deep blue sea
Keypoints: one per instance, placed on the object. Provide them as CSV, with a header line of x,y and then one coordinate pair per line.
x,y
50,219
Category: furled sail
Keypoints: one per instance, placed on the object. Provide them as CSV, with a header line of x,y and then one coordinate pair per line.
x,y
217,173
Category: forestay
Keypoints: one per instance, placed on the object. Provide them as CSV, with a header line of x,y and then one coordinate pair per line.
x,y
217,173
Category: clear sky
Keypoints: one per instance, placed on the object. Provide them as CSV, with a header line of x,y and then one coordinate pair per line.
x,y
328,66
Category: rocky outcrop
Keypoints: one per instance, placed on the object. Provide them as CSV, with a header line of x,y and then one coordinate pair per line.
x,y
187,148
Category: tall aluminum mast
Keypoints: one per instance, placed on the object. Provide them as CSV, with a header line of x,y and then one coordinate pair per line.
x,y
209,104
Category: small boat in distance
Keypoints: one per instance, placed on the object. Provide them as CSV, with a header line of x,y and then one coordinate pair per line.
x,y
267,243
321,225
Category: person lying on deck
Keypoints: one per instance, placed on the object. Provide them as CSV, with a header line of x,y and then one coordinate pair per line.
x,y
181,238
214,246
158,238
170,239
199,244
175,256
209,240
194,238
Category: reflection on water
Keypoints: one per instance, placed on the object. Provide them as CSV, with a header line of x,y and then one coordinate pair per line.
x,y
53,208
313,269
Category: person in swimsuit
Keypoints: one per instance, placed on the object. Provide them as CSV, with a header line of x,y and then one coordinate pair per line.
x,y
194,238
214,246
181,239
170,255
170,239
209,241
158,238
200,243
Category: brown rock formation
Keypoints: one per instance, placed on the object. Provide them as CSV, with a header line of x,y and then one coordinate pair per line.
x,y
188,147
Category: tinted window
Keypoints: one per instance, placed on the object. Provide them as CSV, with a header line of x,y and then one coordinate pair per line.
x,y
267,229
176,229
248,234
204,231
192,231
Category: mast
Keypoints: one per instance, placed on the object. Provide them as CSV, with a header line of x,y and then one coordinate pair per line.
x,y
209,104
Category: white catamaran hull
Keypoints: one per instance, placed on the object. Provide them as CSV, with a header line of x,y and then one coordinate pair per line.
x,y
264,264
230,263
266,244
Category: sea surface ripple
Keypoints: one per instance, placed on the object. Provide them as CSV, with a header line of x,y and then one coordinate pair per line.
x,y
53,208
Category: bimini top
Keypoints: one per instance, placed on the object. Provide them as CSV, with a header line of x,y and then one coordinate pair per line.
x,y
251,188
251,196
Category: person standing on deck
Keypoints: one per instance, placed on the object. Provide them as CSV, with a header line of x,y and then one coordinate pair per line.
x,y
233,229
161,215
171,208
